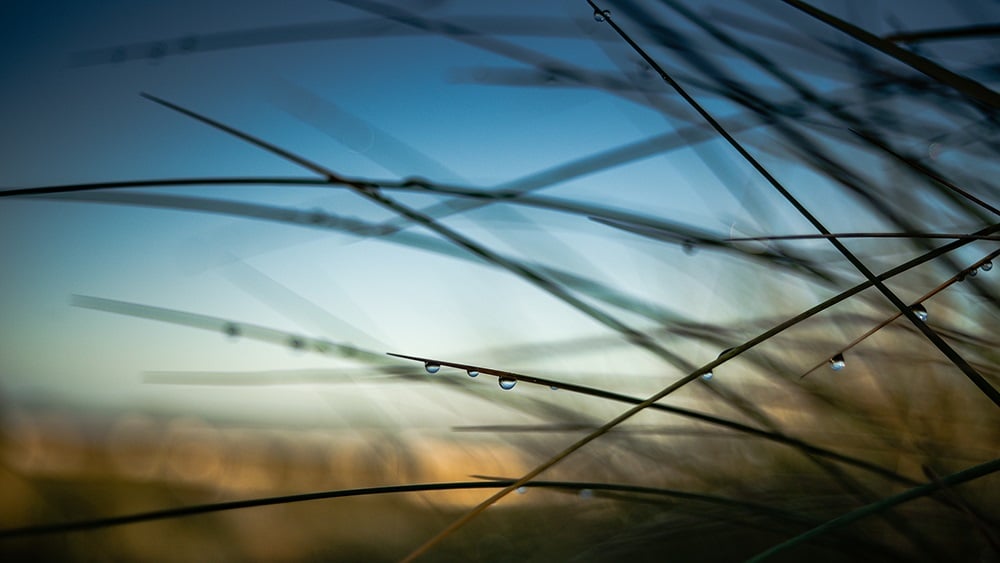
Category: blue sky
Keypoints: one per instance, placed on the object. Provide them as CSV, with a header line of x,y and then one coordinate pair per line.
x,y
383,107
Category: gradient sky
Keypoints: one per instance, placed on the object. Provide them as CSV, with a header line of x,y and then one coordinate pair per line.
x,y
386,104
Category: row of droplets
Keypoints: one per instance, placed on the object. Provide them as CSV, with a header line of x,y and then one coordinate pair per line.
x,y
505,381
973,271
837,362
298,343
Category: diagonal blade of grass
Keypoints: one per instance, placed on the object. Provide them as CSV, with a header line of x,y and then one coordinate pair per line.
x,y
223,326
944,285
960,83
947,236
975,472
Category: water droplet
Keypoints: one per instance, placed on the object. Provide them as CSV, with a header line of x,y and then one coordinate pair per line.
x,y
507,383
232,330
317,217
644,70
521,490
688,247
472,372
837,362
296,343
431,367
987,266
553,387
934,150
157,51
919,311
586,493
708,374
189,43
417,182
600,16
973,272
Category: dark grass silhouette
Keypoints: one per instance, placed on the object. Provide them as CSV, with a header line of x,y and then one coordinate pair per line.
x,y
763,452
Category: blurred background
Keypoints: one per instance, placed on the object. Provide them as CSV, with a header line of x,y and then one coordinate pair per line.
x,y
190,319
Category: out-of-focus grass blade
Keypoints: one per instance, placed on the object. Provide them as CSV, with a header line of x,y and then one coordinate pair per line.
x,y
227,327
945,33
280,377
960,83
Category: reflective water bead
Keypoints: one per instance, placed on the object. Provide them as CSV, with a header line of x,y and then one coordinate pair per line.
x,y
472,373
432,367
987,266
919,311
708,374
599,16
837,362
507,383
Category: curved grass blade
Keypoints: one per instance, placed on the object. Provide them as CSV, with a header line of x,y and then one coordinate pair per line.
x,y
321,220
185,511
223,326
270,335
276,377
605,215
972,473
